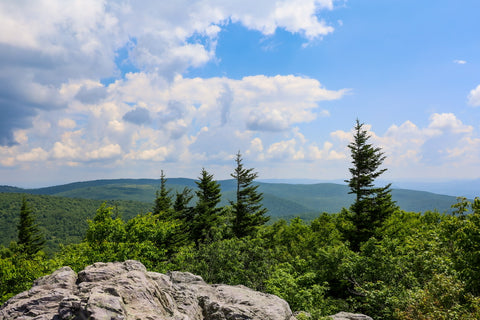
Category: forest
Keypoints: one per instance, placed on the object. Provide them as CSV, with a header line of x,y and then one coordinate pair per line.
x,y
372,257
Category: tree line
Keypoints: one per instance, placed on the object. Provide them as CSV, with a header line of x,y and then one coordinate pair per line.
x,y
371,257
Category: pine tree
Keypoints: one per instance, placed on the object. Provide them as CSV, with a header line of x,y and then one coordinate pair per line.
x,y
29,235
248,210
163,201
372,204
206,214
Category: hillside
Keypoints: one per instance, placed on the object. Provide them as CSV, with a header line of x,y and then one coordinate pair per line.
x,y
63,220
62,210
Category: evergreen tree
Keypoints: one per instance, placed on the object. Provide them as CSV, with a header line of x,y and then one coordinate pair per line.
x,y
182,200
206,214
184,213
163,201
372,204
29,235
248,210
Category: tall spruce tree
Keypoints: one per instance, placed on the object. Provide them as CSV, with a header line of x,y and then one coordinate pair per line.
x,y
206,214
248,210
29,235
372,204
163,201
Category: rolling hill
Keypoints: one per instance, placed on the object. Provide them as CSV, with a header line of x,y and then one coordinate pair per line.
x,y
63,220
280,198
62,210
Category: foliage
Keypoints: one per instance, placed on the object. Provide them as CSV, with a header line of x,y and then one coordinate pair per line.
x,y
442,298
18,270
247,207
413,265
163,201
465,244
62,220
182,199
30,238
203,224
372,204
231,261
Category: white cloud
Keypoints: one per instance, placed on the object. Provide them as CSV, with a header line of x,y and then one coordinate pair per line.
x,y
459,61
474,97
104,152
282,150
64,151
448,121
445,144
326,152
143,117
67,123
256,146
48,47
158,154
445,147
36,154
300,15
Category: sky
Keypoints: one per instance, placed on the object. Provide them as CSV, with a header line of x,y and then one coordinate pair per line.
x,y
99,89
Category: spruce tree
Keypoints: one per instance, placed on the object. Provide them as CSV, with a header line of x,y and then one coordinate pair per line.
x,y
182,199
163,201
184,213
206,214
30,238
372,204
248,210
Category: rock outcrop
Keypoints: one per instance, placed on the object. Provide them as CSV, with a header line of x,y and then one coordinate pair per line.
x,y
127,291
350,316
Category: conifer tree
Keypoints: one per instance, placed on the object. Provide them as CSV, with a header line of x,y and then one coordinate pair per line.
x,y
206,213
29,235
248,210
373,205
182,199
163,201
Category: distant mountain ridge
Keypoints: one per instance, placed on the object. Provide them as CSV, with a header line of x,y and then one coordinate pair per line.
x,y
282,199
62,211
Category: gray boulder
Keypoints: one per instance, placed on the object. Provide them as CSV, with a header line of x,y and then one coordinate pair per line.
x,y
127,291
350,316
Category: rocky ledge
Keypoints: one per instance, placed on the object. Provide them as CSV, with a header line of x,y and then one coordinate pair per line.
x,y
127,291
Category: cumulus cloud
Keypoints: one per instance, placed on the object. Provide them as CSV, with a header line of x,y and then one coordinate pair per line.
x,y
284,150
48,43
225,101
327,152
65,102
284,101
459,61
474,97
104,152
138,116
91,95
448,122
36,154
181,119
445,145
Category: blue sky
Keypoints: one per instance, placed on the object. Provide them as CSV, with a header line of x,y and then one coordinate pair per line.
x,y
123,89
